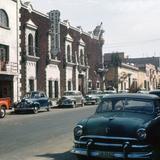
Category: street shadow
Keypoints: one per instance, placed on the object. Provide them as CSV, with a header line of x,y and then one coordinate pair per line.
x,y
59,107
59,156
25,113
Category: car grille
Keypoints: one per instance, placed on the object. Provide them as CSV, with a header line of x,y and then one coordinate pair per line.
x,y
115,144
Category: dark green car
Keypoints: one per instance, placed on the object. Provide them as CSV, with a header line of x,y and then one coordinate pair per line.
x,y
125,126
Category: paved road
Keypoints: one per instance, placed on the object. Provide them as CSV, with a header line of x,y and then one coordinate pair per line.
x,y
44,136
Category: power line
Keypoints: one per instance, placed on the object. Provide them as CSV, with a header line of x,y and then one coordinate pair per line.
x,y
125,44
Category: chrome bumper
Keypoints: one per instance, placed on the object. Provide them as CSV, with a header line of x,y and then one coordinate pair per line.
x,y
112,155
98,149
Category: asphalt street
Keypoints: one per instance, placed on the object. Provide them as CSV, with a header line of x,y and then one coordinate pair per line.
x,y
42,136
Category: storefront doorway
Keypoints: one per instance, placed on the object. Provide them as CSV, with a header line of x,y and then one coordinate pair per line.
x,y
6,86
81,83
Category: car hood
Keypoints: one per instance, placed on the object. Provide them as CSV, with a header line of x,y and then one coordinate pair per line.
x,y
116,124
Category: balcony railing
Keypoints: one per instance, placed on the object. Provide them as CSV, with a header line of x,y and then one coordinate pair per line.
x,y
9,67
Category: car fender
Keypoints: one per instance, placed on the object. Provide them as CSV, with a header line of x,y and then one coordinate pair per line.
x,y
153,131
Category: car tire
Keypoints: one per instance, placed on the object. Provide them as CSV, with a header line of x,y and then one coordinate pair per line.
x,y
48,109
82,104
16,112
35,110
2,112
74,104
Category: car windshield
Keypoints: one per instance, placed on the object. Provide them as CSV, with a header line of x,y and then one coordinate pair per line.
x,y
126,105
94,92
69,93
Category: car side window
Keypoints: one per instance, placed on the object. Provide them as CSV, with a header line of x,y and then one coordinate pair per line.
x,y
119,105
105,106
42,95
36,95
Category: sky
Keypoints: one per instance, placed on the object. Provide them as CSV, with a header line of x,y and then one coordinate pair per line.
x,y
131,26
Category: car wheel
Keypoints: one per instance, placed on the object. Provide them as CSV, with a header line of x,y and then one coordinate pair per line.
x,y
35,111
74,104
2,112
16,112
82,104
48,109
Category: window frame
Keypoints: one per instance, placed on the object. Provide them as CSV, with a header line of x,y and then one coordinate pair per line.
x,y
4,20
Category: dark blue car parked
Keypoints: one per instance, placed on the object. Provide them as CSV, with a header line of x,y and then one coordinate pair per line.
x,y
33,101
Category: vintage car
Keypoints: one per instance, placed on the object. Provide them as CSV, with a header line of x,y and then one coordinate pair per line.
x,y
33,101
156,92
92,97
124,126
5,104
71,98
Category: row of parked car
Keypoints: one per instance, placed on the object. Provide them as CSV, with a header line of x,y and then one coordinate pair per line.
x,y
36,100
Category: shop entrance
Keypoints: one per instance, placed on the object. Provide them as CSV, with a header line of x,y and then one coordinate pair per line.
x,y
6,86
81,83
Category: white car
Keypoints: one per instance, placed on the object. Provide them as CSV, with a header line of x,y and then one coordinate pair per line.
x,y
71,98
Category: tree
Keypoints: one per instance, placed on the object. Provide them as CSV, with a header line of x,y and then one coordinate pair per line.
x,y
116,62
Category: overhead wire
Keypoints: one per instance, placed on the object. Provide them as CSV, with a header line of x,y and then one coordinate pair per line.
x,y
131,43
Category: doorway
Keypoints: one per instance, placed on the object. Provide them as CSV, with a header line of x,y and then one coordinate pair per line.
x,y
81,83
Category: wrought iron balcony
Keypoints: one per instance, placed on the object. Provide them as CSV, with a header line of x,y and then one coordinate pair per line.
x,y
8,67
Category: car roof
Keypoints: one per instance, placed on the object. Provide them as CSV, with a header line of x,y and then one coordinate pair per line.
x,y
156,90
72,91
131,95
35,92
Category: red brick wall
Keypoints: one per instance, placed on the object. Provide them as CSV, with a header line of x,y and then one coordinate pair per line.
x,y
93,49
43,28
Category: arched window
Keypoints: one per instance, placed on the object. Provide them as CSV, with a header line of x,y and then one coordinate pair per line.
x,y
3,18
30,45
81,57
68,54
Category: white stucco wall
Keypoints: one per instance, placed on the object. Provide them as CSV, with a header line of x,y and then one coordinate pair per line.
x,y
31,74
69,73
133,75
53,74
10,37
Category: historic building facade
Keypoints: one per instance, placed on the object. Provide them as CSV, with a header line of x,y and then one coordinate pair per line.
x,y
81,57
56,56
37,71
131,74
9,49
